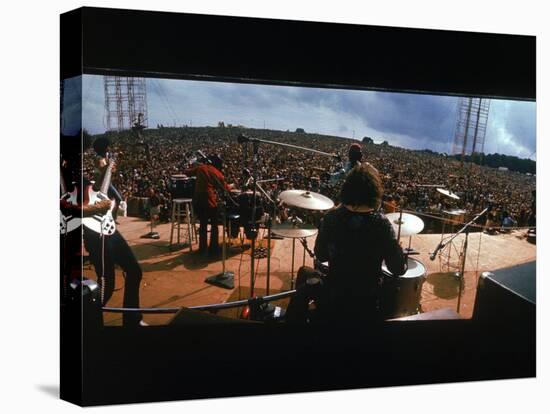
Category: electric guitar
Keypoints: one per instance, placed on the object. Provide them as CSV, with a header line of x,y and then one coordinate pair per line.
x,y
105,224
68,223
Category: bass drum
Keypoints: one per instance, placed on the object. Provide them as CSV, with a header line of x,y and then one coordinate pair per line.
x,y
401,295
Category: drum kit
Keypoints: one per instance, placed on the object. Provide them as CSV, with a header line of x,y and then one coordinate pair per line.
x,y
401,295
405,290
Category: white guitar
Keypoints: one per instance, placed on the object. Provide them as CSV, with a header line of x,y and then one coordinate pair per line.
x,y
68,223
105,224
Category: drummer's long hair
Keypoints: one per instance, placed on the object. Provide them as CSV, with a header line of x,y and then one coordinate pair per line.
x,y
362,187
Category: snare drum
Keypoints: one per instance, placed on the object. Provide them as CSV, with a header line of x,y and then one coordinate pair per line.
x,y
400,296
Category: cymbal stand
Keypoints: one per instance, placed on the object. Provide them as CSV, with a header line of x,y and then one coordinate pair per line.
x,y
243,139
400,222
269,226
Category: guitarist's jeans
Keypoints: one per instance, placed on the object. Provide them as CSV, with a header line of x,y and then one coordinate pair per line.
x,y
115,251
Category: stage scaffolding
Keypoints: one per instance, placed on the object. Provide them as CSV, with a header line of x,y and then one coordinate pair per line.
x,y
125,102
471,124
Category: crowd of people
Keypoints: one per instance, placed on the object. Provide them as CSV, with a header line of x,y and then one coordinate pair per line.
x,y
146,162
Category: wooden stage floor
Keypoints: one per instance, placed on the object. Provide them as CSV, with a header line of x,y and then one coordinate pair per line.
x,y
175,277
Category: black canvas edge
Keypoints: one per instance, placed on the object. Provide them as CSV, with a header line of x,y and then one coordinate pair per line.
x,y
243,49
71,338
194,362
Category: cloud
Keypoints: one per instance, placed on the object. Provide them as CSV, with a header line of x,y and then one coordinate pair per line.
x,y
511,128
409,120
72,106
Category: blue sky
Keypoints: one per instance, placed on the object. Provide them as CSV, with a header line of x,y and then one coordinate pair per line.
x,y
407,120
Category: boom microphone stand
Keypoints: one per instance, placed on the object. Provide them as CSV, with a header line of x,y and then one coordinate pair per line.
x,y
440,246
242,139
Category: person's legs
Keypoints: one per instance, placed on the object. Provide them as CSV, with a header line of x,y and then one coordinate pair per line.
x,y
214,234
102,259
203,230
125,258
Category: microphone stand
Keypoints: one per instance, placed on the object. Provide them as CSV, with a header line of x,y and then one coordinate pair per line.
x,y
253,228
466,231
269,226
243,139
224,279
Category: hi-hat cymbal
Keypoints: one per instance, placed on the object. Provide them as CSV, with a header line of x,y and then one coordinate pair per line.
x,y
294,230
306,199
448,193
410,224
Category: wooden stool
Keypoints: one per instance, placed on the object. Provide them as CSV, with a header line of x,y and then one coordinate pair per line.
x,y
182,208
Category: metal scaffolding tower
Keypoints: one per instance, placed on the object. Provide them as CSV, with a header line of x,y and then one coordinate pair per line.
x,y
125,100
471,124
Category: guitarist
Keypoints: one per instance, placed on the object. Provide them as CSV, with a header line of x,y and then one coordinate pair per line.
x,y
105,251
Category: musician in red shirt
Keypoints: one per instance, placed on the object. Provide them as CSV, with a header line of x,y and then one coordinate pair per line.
x,y
209,186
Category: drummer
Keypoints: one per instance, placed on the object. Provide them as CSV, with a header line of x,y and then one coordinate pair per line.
x,y
355,238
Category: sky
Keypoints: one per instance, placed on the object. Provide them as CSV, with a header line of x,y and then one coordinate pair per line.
x,y
411,121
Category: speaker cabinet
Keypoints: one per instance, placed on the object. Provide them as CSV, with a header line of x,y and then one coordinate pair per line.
x,y
507,294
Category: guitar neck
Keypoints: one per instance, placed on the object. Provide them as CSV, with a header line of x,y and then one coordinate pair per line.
x,y
107,178
62,183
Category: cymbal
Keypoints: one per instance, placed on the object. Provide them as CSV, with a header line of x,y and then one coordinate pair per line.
x,y
448,193
294,230
306,199
410,224
456,212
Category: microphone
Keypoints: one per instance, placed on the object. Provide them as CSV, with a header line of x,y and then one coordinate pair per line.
x,y
432,256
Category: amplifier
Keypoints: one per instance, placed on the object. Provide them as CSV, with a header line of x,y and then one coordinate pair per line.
x,y
508,294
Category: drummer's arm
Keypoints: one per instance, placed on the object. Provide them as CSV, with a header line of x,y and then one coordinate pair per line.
x,y
321,244
393,253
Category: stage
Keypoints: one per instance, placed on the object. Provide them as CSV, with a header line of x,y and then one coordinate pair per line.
x,y
174,277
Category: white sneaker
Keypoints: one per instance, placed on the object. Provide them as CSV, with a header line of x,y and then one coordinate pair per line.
x,y
143,323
